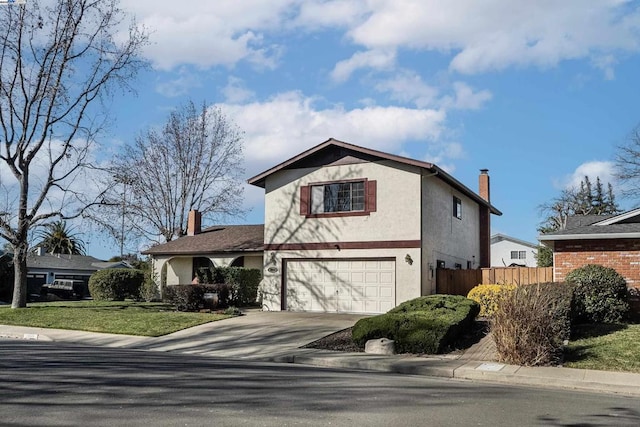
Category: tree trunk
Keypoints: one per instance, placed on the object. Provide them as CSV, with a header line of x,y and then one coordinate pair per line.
x,y
20,279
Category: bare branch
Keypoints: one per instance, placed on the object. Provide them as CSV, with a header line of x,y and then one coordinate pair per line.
x,y
55,62
193,162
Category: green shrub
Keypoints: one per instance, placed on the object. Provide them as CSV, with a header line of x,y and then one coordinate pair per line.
x,y
149,290
116,284
243,283
191,297
488,297
424,325
600,295
531,323
184,297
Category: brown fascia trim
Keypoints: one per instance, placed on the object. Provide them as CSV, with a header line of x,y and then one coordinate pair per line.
x,y
259,180
384,244
338,214
202,253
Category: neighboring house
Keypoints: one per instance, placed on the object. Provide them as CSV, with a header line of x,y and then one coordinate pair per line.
x,y
612,241
507,251
177,261
45,268
350,229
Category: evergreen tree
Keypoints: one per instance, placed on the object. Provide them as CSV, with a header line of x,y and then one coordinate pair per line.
x,y
583,200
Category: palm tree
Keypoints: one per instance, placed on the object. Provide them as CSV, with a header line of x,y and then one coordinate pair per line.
x,y
58,239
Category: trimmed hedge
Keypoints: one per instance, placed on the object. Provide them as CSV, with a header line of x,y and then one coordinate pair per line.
x,y
489,296
116,284
242,283
185,297
233,286
600,295
427,324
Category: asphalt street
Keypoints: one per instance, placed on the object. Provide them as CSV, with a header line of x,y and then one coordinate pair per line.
x,y
45,383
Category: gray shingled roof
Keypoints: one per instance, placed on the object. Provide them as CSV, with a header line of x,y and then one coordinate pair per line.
x,y
63,262
584,220
226,238
587,227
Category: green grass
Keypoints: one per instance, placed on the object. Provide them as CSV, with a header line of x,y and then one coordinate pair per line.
x,y
129,318
605,347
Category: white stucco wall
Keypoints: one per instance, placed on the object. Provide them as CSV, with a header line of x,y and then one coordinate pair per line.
x,y
501,254
254,261
179,268
445,237
397,218
407,276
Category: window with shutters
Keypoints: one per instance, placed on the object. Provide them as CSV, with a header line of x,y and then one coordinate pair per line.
x,y
355,197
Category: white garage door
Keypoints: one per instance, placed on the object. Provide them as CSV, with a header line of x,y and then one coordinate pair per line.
x,y
343,286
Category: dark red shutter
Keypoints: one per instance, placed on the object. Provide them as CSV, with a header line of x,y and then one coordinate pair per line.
x,y
371,196
304,200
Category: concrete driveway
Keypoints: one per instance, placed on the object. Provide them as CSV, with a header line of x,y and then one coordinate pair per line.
x,y
258,335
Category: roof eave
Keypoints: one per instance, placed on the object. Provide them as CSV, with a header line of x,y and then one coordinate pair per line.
x,y
188,253
259,180
592,236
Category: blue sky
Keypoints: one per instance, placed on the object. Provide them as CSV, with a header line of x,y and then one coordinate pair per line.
x,y
540,93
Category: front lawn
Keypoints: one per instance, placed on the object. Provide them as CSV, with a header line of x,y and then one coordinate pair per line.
x,y
605,347
129,318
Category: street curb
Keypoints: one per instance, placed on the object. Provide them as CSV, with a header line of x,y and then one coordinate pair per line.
x,y
435,367
29,337
621,383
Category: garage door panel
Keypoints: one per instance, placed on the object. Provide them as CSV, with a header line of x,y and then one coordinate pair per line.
x,y
386,292
354,286
387,277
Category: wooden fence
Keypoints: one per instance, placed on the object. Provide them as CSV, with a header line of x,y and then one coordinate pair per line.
x,y
460,282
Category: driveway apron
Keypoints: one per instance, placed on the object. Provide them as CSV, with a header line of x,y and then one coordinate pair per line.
x,y
258,335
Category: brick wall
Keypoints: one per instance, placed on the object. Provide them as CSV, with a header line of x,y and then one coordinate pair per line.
x,y
623,255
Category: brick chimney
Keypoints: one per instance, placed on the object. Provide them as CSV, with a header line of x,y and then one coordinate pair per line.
x,y
194,223
483,185
485,219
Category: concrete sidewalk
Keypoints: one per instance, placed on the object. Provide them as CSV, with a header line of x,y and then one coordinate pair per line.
x,y
244,338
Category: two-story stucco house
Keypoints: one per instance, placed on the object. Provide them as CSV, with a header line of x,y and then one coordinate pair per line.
x,y
350,229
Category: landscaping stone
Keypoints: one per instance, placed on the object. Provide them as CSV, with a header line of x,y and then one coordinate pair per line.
x,y
380,346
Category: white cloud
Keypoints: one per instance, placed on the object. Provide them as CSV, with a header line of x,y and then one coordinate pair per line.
x,y
606,64
479,36
316,14
485,36
376,59
235,91
289,123
593,169
181,85
465,98
408,87
208,34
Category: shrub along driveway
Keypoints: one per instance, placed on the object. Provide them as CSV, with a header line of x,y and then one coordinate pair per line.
x,y
256,335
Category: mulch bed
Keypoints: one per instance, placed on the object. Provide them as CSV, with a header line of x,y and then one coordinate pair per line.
x,y
341,340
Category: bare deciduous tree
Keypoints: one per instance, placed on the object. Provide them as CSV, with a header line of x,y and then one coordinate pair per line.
x,y
628,164
58,64
193,162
